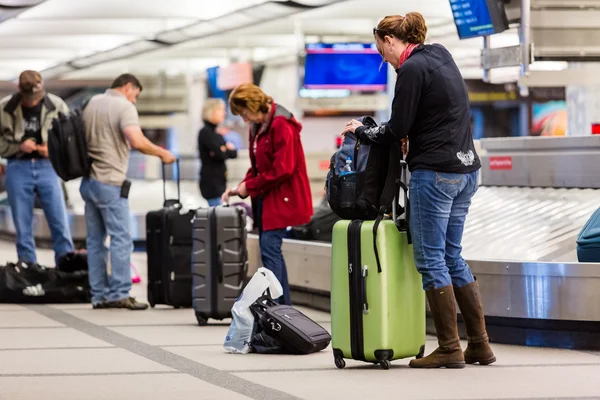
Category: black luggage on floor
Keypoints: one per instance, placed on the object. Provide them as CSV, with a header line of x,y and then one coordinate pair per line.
x,y
169,249
296,332
219,261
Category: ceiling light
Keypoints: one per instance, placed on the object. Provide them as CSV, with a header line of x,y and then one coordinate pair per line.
x,y
20,3
119,52
199,29
57,71
549,66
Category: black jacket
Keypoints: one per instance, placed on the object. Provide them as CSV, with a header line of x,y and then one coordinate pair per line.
x,y
431,108
213,172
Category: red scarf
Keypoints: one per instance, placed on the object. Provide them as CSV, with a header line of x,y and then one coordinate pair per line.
x,y
406,53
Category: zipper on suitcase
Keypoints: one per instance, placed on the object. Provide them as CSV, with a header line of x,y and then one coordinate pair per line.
x,y
355,280
214,263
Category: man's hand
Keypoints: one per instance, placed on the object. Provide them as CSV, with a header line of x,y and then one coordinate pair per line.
x,y
42,149
28,146
351,126
167,157
230,146
405,146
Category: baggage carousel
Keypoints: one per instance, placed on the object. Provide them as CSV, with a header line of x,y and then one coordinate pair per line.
x,y
520,239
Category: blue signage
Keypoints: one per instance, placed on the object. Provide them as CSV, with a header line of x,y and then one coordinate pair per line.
x,y
475,18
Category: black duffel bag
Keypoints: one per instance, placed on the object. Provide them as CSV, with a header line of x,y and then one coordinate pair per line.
x,y
36,284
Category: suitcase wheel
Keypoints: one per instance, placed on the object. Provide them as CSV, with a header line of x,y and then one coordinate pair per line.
x,y
151,299
340,363
385,364
201,320
421,352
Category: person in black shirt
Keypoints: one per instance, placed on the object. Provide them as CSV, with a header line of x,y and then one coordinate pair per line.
x,y
214,151
431,116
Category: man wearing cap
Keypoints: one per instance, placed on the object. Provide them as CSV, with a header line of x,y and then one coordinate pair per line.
x,y
25,119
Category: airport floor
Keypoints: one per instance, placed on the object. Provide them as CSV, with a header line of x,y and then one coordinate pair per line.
x,y
71,352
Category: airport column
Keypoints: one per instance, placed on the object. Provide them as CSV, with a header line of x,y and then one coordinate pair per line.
x,y
583,103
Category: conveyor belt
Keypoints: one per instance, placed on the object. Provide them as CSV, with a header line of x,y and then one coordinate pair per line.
x,y
533,224
504,223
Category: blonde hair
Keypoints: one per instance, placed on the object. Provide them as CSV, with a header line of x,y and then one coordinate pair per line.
x,y
410,28
248,96
209,107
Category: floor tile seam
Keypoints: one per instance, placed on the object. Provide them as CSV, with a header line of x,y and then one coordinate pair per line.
x,y
2,328
77,374
161,356
398,367
59,348
596,397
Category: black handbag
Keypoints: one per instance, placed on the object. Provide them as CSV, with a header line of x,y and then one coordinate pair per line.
x,y
296,332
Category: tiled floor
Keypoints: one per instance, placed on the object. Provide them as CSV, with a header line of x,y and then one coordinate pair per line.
x,y
71,352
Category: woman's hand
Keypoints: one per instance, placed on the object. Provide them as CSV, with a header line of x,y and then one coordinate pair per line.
x,y
225,196
351,126
241,190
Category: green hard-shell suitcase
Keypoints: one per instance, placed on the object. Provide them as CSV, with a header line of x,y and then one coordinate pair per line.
x,y
377,308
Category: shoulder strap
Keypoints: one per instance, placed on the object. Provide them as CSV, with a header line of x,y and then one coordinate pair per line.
x,y
389,197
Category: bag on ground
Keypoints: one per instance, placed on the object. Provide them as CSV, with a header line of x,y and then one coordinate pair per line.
x,y
239,336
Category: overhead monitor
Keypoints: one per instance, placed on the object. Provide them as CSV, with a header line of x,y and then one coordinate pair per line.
x,y
350,66
475,18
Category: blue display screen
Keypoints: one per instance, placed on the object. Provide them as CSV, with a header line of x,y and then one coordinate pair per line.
x,y
354,66
212,76
472,18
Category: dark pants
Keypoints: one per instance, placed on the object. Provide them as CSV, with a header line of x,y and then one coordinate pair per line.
x,y
272,258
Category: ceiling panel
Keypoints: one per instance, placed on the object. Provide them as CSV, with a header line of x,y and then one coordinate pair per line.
x,y
90,26
75,9
58,31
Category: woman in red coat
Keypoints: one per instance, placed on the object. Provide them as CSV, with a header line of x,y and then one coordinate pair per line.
x,y
277,180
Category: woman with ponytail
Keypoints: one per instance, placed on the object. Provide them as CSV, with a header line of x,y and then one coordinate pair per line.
x,y
430,111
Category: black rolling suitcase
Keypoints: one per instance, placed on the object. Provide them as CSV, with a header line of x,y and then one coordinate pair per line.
x,y
296,332
169,249
219,261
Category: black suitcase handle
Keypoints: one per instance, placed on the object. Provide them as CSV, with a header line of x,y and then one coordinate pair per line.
x,y
164,176
220,263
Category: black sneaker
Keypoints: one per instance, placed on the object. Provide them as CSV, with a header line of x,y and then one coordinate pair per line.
x,y
99,305
129,303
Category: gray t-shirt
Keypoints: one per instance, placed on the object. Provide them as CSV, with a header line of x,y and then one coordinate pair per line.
x,y
105,117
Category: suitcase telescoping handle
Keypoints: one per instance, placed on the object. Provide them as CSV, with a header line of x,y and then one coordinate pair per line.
x,y
404,224
164,173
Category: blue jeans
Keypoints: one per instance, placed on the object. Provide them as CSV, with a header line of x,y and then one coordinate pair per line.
x,y
107,213
272,259
25,178
439,204
214,202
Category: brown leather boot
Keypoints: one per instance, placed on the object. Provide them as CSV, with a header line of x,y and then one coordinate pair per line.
x,y
443,309
478,349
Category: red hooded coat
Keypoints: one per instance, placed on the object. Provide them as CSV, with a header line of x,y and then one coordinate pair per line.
x,y
278,171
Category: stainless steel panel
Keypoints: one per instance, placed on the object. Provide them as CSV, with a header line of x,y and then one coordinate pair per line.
x,y
573,169
515,144
308,263
557,162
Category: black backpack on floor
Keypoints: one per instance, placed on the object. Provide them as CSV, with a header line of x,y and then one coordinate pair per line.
x,y
68,148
